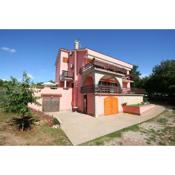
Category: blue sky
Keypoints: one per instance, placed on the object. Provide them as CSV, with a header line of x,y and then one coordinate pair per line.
x,y
35,51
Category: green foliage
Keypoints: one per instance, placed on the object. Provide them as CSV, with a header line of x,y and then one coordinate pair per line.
x,y
55,121
162,80
1,83
162,120
135,73
16,96
23,123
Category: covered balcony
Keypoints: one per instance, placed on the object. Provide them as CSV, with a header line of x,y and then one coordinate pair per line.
x,y
107,85
95,64
66,75
100,89
110,90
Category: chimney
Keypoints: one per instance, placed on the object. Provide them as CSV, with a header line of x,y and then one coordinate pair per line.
x,y
77,44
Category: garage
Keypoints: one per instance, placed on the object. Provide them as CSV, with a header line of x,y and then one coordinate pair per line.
x,y
110,105
51,103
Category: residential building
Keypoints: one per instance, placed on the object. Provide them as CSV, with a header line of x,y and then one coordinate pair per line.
x,y
93,83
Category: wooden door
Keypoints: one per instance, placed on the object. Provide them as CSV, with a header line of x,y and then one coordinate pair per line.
x,y
110,105
114,105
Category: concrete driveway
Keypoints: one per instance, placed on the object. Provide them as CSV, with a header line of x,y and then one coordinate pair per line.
x,y
81,128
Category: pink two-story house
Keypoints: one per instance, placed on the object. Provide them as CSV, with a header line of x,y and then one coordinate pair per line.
x,y
93,83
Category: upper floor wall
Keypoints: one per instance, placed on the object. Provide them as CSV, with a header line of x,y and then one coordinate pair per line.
x,y
73,61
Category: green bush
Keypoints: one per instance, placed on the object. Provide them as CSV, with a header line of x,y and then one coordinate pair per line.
x,y
56,121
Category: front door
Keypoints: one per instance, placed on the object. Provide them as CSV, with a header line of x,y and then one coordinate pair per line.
x,y
110,105
85,104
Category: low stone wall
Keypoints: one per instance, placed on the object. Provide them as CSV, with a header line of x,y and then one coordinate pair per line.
x,y
146,108
131,109
137,109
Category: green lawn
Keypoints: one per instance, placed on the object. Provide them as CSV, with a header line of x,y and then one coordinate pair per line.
x,y
40,134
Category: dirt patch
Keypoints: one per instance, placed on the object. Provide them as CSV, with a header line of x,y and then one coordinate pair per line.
x,y
158,131
130,138
40,134
150,125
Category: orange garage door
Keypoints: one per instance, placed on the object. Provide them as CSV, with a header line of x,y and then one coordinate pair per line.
x,y
110,105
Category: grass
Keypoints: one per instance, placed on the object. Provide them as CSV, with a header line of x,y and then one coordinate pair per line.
x,y
40,134
162,121
108,137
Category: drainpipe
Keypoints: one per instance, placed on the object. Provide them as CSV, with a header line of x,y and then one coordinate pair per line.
x,y
75,82
75,88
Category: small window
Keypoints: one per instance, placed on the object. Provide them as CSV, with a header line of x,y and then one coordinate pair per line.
x,y
65,60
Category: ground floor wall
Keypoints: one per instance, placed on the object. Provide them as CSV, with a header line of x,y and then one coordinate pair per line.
x,y
65,97
129,99
89,105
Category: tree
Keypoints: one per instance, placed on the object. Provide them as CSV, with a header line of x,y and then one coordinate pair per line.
x,y
135,74
1,83
17,96
51,81
163,78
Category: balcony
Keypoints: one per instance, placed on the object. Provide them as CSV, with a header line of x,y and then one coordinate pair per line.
x,y
100,89
110,90
97,64
66,75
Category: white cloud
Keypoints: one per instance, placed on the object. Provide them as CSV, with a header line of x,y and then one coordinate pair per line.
x,y
7,49
144,75
30,76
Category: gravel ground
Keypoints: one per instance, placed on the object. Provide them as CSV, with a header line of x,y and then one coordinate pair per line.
x,y
159,131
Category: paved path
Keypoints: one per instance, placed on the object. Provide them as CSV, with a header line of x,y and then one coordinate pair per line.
x,y
81,128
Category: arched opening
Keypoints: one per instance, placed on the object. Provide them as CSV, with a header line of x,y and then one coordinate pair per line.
x,y
109,84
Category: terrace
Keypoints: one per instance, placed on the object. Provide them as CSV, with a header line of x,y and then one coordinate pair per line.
x,y
110,90
101,65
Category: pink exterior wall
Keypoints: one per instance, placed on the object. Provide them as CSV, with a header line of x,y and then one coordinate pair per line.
x,y
60,65
90,105
81,60
65,99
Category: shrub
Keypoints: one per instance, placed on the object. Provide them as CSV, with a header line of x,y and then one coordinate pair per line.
x,y
56,121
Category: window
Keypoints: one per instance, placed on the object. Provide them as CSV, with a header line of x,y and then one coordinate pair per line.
x,y
65,60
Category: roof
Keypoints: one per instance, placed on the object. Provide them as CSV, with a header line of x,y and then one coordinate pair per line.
x,y
104,57
108,58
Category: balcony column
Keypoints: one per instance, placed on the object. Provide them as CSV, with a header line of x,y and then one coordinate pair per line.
x,y
65,84
96,77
